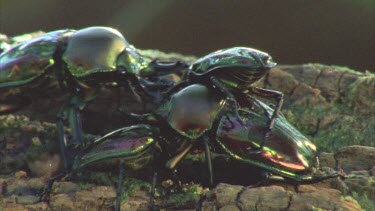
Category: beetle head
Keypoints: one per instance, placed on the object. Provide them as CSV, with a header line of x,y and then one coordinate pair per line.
x,y
130,61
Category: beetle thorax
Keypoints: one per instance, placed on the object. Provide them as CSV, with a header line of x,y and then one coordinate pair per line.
x,y
93,49
193,111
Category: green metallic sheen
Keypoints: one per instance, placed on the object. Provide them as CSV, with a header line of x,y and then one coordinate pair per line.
x,y
129,144
133,62
192,111
236,56
93,49
287,152
237,67
23,63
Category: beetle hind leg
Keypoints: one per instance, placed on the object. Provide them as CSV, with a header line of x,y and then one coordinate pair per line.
x,y
268,94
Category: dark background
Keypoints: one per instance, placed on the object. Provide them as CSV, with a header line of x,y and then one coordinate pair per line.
x,y
338,32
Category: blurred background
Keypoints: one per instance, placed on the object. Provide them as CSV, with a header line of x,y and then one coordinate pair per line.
x,y
335,32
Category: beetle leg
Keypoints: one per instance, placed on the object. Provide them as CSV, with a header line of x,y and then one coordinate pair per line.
x,y
232,100
44,196
208,159
147,118
273,94
62,140
70,113
175,88
306,179
156,165
136,95
185,148
74,119
153,187
119,186
279,96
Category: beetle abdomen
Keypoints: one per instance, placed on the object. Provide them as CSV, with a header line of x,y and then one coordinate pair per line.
x,y
28,61
93,49
129,144
237,67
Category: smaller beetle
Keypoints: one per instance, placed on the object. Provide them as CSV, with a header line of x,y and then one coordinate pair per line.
x,y
234,70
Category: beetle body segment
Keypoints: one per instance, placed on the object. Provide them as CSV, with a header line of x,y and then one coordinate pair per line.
x,y
24,63
133,144
287,152
237,67
192,111
95,49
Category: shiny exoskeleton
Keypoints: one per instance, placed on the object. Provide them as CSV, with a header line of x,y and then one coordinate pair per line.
x,y
76,63
197,115
234,70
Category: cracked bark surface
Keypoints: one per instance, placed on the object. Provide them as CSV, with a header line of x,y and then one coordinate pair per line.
x,y
334,106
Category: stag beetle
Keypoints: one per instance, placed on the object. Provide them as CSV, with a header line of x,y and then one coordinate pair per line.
x,y
234,70
77,64
197,115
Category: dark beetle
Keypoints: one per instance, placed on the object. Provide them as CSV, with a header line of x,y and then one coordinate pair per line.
x,y
197,115
234,70
75,63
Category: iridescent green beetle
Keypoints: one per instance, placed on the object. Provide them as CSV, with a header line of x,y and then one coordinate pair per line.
x,y
196,115
234,70
77,64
